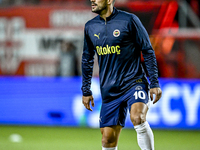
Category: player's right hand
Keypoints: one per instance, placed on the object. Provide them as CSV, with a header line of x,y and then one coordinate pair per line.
x,y
86,102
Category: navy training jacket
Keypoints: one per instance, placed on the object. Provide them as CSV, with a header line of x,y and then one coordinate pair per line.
x,y
118,43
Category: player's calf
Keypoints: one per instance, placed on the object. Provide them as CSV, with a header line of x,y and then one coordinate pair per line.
x,y
145,136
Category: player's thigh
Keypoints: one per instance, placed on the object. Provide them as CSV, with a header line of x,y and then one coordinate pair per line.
x,y
139,103
111,133
113,113
138,113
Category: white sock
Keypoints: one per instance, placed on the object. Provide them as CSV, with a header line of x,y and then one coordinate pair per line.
x,y
145,136
111,148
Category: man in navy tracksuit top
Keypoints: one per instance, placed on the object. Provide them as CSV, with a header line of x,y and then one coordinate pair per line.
x,y
118,38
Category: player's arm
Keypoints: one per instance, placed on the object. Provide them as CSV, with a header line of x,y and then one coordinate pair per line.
x,y
142,39
87,69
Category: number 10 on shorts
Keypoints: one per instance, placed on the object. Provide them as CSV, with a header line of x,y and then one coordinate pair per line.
x,y
139,94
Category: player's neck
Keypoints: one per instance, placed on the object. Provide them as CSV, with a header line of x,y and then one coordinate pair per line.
x,y
106,13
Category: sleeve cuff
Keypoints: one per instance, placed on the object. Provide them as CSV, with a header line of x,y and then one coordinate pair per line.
x,y
87,94
154,85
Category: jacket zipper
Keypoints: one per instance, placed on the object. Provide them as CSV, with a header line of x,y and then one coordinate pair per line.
x,y
106,27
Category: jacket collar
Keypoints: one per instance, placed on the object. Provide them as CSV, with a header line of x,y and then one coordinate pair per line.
x,y
114,13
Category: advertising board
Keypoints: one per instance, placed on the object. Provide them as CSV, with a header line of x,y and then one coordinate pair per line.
x,y
58,101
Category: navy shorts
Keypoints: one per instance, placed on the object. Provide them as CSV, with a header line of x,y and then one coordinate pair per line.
x,y
115,111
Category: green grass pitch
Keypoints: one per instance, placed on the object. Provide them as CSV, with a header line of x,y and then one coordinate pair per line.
x,y
67,138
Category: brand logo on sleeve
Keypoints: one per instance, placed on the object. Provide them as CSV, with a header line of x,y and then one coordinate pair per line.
x,y
97,35
116,33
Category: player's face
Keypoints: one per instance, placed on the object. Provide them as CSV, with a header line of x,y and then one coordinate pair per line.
x,y
98,6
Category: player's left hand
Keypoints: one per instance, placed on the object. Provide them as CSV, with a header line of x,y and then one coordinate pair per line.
x,y
158,93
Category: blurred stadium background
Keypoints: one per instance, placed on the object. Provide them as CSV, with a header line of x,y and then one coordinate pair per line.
x,y
40,57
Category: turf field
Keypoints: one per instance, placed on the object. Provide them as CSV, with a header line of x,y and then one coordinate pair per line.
x,y
65,138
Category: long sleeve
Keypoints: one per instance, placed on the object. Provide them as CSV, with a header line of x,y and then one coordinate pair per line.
x,y
142,39
87,65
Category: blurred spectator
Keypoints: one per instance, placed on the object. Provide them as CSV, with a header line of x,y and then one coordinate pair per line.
x,y
68,59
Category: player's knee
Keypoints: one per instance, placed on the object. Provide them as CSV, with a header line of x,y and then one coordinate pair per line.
x,y
138,119
108,140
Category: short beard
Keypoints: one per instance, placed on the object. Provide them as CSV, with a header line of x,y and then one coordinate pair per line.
x,y
100,9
